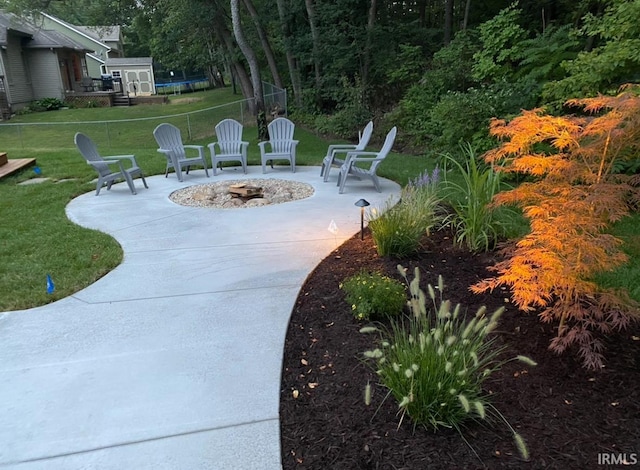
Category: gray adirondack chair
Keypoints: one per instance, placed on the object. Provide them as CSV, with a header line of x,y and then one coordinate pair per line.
x,y
230,145
331,159
110,168
281,142
169,139
373,159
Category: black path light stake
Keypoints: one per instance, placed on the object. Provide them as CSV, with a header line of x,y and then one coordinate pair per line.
x,y
362,203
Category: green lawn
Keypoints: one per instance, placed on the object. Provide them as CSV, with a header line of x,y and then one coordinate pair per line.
x,y
37,239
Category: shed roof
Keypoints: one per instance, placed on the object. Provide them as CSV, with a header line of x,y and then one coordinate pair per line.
x,y
120,61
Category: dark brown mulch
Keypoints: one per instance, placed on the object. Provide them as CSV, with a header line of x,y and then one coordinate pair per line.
x,y
566,414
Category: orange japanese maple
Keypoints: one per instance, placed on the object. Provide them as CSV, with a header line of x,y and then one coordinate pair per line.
x,y
571,199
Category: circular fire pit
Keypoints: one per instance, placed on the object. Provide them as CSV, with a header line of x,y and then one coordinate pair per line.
x,y
237,194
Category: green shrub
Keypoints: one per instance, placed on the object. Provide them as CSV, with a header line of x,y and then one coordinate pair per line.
x,y
474,220
350,114
374,296
434,364
399,229
48,104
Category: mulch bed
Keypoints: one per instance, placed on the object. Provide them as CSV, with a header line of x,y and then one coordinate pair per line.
x,y
566,414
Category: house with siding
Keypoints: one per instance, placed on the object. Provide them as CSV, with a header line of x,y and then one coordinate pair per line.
x,y
36,63
103,42
50,58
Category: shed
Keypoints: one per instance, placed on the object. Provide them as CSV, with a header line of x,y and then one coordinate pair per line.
x,y
136,74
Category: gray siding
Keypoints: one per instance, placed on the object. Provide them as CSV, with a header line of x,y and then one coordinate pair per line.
x,y
18,78
93,67
45,73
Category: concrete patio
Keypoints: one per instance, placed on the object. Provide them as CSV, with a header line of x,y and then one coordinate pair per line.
x,y
172,360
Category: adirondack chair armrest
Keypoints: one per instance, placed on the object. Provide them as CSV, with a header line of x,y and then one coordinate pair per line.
x,y
339,148
243,146
199,148
361,153
361,156
131,158
212,147
263,145
108,162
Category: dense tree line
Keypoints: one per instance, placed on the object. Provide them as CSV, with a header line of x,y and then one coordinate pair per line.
x,y
440,69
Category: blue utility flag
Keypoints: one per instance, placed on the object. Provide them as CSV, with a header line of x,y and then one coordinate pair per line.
x,y
37,170
50,286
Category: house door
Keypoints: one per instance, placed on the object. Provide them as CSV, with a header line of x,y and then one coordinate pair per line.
x,y
139,82
64,73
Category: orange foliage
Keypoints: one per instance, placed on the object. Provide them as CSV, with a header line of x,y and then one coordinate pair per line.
x,y
572,200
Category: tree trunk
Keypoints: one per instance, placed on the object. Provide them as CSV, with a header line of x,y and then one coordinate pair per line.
x,y
291,61
467,8
422,13
264,41
371,21
448,21
236,68
315,39
256,79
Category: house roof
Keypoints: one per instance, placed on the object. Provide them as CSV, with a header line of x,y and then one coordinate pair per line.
x,y
120,61
53,39
40,38
10,22
91,37
101,33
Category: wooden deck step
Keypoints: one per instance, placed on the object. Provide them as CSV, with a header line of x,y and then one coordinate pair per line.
x,y
14,165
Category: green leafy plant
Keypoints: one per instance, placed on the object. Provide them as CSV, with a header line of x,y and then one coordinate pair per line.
x,y
474,219
372,295
400,227
434,364
501,38
48,104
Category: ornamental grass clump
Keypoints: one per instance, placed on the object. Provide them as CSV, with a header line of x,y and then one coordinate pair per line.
x,y
398,230
475,222
434,364
374,296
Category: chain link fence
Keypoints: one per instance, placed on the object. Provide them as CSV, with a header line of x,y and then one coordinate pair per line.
x,y
195,125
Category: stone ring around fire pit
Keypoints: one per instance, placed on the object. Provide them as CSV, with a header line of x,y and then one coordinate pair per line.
x,y
236,194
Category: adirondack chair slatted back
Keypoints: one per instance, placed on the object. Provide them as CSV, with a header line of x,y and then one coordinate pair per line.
x,y
229,133
370,159
365,136
281,132
386,148
169,137
90,152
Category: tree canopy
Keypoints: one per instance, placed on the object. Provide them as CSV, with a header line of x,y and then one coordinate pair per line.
x,y
413,61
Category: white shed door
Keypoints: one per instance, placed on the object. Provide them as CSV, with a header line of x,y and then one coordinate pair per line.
x,y
139,82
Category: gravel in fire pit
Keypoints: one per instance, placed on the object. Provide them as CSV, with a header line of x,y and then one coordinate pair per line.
x,y
216,195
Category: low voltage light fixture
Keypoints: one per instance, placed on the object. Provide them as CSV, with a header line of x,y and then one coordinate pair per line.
x,y
362,203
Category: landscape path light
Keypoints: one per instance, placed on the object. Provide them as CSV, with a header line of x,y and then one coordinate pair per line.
x,y
362,203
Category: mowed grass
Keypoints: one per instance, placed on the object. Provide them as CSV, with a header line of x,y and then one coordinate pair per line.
x,y
36,237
